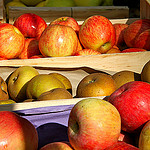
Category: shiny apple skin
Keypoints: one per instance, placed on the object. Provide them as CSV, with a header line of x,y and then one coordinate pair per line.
x,y
30,25
11,41
58,41
97,33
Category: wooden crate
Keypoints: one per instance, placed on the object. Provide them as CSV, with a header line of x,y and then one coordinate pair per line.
x,y
145,9
2,12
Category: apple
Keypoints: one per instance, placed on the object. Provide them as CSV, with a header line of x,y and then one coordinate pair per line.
x,y
36,56
40,4
145,73
97,33
120,28
93,124
144,138
58,41
30,25
96,84
57,146
17,133
113,50
42,83
133,50
120,145
132,101
31,3
142,41
3,90
10,49
85,52
59,3
17,82
134,30
7,101
107,3
88,2
67,21
31,48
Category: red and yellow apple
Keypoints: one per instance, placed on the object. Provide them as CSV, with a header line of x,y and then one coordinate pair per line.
x,y
97,33
30,25
132,101
31,48
133,50
57,41
93,124
11,41
17,133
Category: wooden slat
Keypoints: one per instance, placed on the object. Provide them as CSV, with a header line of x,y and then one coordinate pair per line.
x,y
79,13
111,12
144,9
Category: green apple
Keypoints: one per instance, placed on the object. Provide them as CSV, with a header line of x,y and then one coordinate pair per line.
x,y
31,2
107,3
41,4
7,101
18,80
88,2
59,3
42,83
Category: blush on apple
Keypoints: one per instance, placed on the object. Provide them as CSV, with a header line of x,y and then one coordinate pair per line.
x,y
85,52
93,124
133,50
30,25
31,48
67,21
57,41
11,41
17,133
134,30
132,101
121,146
97,33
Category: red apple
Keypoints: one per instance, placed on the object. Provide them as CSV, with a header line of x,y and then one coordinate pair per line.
x,y
133,50
31,48
31,25
93,124
113,50
57,41
134,30
17,133
97,33
132,100
67,21
36,56
57,146
11,41
142,41
84,52
120,28
121,146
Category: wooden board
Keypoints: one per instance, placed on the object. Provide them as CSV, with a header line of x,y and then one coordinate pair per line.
x,y
145,9
79,13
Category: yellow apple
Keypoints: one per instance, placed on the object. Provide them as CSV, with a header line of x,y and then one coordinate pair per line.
x,y
96,84
145,73
31,2
64,80
17,82
41,4
42,83
9,101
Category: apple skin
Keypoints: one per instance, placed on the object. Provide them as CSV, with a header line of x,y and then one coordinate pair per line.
x,y
30,25
11,41
120,145
17,82
85,52
88,2
31,3
113,50
134,30
17,133
57,146
142,41
93,124
58,41
132,101
36,56
133,50
67,21
31,48
120,28
97,33
96,84
3,90
144,138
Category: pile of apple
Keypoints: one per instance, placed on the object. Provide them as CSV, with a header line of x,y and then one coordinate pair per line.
x,y
31,37
122,121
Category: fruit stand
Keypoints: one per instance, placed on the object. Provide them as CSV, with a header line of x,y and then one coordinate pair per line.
x,y
53,115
